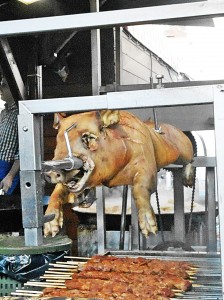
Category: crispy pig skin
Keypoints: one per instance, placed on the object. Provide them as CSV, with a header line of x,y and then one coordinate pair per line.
x,y
116,148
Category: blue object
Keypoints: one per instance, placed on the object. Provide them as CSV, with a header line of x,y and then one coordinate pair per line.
x,y
4,169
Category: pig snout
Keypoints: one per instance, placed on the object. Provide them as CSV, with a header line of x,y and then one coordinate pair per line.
x,y
54,176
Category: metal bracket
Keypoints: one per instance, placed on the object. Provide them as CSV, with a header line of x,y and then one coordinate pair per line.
x,y
69,163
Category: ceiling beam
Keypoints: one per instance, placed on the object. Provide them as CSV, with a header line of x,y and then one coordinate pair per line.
x,y
145,15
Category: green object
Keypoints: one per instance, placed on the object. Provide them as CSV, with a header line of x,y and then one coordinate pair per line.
x,y
8,285
10,245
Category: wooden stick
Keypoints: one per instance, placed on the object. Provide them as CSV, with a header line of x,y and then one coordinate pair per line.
x,y
194,268
43,284
72,262
59,273
55,280
77,257
25,294
63,265
191,272
31,292
62,270
196,285
55,276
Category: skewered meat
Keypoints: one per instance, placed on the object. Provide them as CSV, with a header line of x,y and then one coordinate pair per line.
x,y
170,281
139,266
52,292
109,277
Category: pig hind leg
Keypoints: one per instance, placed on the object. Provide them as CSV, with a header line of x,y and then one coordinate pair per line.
x,y
146,215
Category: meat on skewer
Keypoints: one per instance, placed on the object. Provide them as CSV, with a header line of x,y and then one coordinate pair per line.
x,y
163,281
110,277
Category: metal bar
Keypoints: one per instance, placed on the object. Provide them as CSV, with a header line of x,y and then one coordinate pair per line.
x,y
144,15
95,52
11,71
101,224
211,221
30,180
123,216
69,104
219,129
179,217
135,232
31,195
199,161
122,100
29,142
160,97
133,87
117,56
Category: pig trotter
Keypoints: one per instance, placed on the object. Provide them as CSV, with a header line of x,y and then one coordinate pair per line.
x,y
147,221
53,227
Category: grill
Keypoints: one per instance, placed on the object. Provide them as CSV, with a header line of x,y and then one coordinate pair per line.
x,y
206,283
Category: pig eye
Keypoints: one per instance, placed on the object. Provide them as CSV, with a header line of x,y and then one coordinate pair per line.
x,y
88,138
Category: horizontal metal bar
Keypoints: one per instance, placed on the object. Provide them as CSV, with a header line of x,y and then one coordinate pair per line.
x,y
122,100
69,104
145,15
160,97
133,87
199,161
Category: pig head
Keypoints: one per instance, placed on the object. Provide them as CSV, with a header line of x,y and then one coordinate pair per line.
x,y
116,148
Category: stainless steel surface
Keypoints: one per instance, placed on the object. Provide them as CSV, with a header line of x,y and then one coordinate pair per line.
x,y
145,15
135,231
101,225
32,208
95,51
179,217
211,211
123,100
219,129
29,126
66,164
123,216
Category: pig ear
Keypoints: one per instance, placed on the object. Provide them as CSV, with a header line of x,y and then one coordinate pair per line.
x,y
110,117
57,119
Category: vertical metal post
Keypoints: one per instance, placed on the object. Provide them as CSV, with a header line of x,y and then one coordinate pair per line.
x,y
96,83
135,232
30,173
101,226
211,216
179,217
95,52
117,55
123,216
219,129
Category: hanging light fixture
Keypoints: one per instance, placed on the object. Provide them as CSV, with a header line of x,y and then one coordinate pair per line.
x,y
27,2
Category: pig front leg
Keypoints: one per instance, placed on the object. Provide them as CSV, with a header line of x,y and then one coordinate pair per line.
x,y
58,197
146,215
